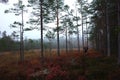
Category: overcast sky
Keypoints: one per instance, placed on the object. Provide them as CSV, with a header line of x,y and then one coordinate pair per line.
x,y
7,19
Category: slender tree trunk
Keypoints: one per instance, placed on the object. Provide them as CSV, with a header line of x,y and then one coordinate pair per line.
x,y
41,17
108,32
119,48
69,42
21,39
97,38
58,41
82,27
87,32
66,41
21,57
118,33
100,43
50,47
78,39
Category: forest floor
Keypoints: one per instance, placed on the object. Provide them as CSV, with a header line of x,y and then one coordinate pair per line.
x,y
72,66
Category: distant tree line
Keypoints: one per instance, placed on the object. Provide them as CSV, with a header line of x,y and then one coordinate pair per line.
x,y
12,43
7,43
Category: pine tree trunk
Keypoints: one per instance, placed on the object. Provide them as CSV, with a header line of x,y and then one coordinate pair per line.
x,y
119,48
82,27
108,32
78,39
50,47
58,41
66,41
21,40
118,34
41,17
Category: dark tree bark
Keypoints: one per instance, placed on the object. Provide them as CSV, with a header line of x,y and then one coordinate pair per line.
x,y
82,30
118,33
21,39
58,40
78,38
108,33
41,25
66,40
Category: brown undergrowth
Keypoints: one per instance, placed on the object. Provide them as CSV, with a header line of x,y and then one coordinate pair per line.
x,y
72,66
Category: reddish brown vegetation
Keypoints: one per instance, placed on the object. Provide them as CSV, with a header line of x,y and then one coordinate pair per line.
x,y
65,67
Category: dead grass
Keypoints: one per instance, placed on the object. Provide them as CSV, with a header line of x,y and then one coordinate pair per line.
x,y
14,57
10,61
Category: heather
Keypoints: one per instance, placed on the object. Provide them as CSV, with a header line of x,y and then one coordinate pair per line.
x,y
71,66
